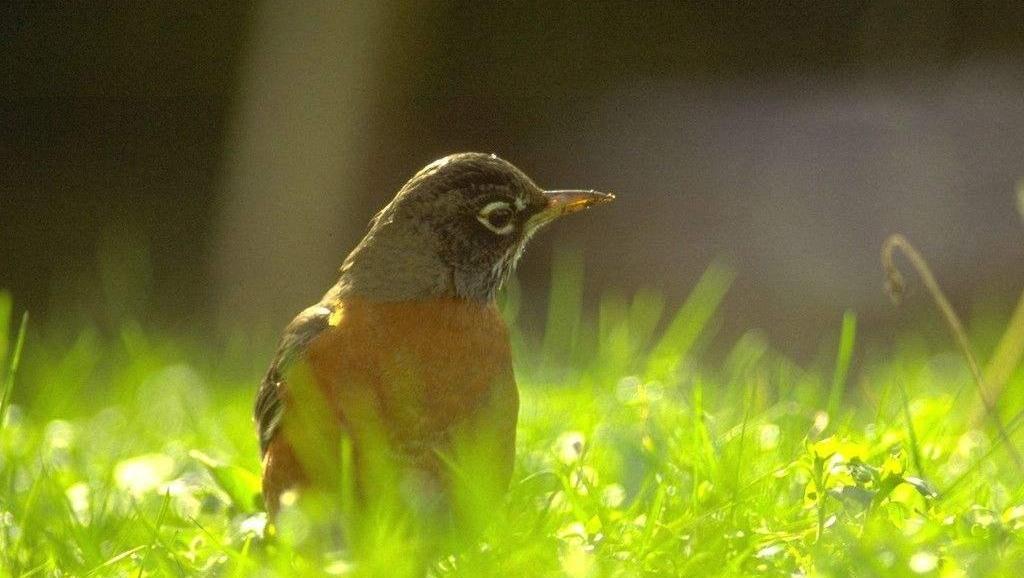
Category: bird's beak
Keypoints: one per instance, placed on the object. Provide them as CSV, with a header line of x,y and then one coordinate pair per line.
x,y
565,202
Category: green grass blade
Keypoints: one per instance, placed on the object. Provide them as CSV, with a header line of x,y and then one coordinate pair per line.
x,y
1007,356
915,446
689,322
847,338
12,369
6,307
241,485
116,558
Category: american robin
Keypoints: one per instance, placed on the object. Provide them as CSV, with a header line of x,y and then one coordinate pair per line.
x,y
406,359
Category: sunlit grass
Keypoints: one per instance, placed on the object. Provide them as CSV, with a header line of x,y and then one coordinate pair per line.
x,y
132,454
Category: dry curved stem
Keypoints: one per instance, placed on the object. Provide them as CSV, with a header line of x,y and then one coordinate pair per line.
x,y
895,286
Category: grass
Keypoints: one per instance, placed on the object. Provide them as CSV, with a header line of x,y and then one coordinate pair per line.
x,y
134,455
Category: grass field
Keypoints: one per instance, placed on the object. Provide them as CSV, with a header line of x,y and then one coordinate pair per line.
x,y
134,454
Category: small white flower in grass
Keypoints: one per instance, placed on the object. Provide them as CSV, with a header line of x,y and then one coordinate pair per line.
x,y
573,532
569,447
255,525
820,422
578,562
923,562
78,499
59,434
339,568
613,495
143,474
770,551
768,436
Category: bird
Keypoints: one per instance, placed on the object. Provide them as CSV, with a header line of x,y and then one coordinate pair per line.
x,y
399,382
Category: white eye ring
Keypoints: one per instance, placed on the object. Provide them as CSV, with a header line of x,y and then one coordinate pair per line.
x,y
485,214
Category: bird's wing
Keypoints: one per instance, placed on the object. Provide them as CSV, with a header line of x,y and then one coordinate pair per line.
x,y
297,336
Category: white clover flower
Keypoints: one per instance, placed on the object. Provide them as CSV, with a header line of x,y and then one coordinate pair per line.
x,y
768,436
143,474
569,447
923,562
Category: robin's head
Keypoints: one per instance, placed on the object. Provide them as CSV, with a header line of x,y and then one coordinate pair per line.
x,y
458,227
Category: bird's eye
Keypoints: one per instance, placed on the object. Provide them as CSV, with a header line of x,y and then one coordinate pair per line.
x,y
500,218
497,216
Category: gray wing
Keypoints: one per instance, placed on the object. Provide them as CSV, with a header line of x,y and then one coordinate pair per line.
x,y
269,404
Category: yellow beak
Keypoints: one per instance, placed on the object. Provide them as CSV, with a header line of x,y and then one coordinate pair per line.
x,y
565,202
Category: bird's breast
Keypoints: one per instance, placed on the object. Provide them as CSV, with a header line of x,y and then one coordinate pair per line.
x,y
413,368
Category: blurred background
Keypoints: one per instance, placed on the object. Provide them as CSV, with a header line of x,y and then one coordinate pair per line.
x,y
205,166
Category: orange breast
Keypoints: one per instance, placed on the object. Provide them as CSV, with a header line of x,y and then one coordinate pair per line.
x,y
423,365
415,378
